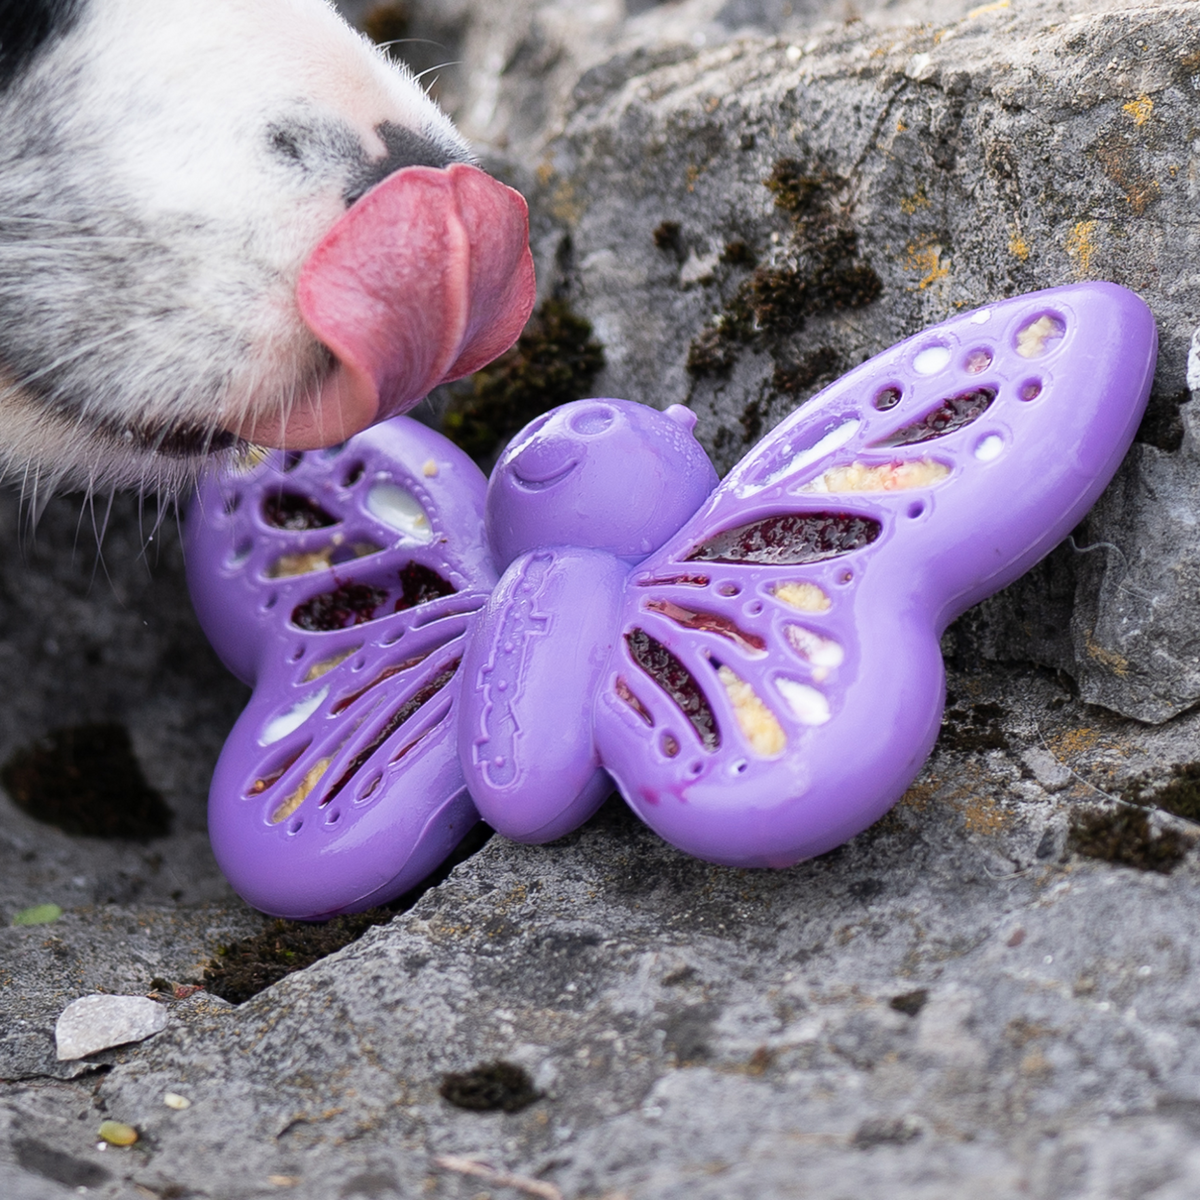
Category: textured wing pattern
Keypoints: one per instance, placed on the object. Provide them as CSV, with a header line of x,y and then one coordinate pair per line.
x,y
777,681
756,664
341,584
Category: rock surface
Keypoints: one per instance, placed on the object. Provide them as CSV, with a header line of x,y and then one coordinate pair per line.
x,y
1005,148
960,1001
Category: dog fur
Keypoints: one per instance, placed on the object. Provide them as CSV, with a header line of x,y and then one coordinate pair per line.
x,y
166,166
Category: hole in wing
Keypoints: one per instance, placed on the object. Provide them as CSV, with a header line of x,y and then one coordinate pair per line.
x,y
295,513
421,584
756,721
953,413
677,681
347,605
283,723
305,562
824,653
675,581
406,711
271,777
627,694
384,675
790,538
311,778
708,622
400,510
1038,336
803,597
895,476
325,665
351,604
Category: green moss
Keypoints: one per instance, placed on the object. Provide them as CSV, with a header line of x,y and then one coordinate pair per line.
x,y
778,299
554,361
821,365
1123,836
820,272
667,237
1179,795
799,190
248,966
718,346
738,253
85,780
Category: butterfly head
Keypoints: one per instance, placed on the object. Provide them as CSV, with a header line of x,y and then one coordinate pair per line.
x,y
603,474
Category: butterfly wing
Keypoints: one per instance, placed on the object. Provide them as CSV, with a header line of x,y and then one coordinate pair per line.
x,y
777,681
341,585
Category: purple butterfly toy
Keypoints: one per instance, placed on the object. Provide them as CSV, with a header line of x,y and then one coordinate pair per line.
x,y
754,664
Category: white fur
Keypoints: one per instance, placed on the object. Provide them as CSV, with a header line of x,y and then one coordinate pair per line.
x,y
151,237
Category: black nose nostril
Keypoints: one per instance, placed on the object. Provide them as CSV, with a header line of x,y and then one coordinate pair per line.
x,y
405,148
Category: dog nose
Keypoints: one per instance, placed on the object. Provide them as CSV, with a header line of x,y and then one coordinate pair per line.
x,y
425,279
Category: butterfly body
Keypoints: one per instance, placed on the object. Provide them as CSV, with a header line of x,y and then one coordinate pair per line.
x,y
754,664
575,500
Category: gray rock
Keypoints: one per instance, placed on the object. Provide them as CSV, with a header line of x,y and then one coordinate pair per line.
x,y
955,1003
1002,149
94,1023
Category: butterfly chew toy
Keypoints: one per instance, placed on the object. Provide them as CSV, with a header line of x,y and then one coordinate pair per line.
x,y
753,663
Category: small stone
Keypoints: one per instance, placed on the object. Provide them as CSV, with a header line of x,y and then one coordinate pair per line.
x,y
95,1023
117,1133
176,1101
1047,770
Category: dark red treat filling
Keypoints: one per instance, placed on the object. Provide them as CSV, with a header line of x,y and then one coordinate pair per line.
x,y
295,513
347,605
677,681
707,622
384,675
672,580
790,538
394,722
953,413
420,585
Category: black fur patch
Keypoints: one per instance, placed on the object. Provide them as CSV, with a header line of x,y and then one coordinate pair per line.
x,y
173,441
26,26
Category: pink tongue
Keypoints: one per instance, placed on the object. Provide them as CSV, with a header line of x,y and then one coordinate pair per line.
x,y
424,280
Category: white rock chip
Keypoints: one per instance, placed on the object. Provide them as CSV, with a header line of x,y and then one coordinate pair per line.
x,y
1047,770
95,1023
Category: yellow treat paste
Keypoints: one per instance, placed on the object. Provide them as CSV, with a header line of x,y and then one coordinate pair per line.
x,y
327,664
304,563
297,798
803,597
754,718
888,477
1031,341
